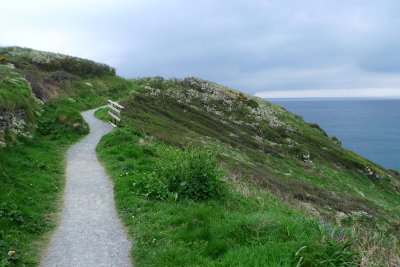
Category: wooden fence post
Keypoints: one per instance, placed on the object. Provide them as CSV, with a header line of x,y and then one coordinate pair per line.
x,y
114,112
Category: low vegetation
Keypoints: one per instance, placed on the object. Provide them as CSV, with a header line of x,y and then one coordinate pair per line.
x,y
18,93
39,119
204,175
182,212
31,181
262,149
265,143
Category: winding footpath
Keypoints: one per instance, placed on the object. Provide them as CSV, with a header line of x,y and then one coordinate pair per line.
x,y
90,232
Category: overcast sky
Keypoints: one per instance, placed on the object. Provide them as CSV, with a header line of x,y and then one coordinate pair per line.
x,y
269,48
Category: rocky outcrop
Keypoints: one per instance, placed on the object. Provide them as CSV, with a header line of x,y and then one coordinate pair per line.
x,y
372,173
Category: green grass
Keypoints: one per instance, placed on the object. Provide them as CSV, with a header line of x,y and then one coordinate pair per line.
x,y
37,62
32,169
32,178
14,90
31,183
256,152
102,114
269,142
245,227
170,192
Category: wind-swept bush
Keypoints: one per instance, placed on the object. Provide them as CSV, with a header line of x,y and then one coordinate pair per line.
x,y
181,174
192,173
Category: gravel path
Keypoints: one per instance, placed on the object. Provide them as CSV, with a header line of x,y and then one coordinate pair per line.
x,y
90,232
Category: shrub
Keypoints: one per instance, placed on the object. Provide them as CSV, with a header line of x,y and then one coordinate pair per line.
x,y
58,122
336,140
180,174
316,126
252,103
192,173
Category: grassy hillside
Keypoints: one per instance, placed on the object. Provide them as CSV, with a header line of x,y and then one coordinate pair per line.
x,y
339,206
204,175
31,183
276,148
54,75
33,147
16,98
30,77
18,93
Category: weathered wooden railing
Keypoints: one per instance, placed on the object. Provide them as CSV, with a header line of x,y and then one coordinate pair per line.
x,y
114,112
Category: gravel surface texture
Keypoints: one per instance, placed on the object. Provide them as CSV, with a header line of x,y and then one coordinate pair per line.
x,y
90,232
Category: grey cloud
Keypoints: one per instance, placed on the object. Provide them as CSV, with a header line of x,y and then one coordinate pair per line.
x,y
250,45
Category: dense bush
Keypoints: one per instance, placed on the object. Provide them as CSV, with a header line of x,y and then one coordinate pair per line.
x,y
29,59
336,140
192,173
173,173
60,120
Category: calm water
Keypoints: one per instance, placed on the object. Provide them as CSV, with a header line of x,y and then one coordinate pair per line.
x,y
370,127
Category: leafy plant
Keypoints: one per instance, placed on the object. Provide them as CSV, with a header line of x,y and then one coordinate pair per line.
x,y
150,185
183,174
192,173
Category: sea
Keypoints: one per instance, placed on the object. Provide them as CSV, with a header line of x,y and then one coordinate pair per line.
x,y
368,126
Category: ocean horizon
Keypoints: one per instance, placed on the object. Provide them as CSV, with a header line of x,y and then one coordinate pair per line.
x,y
367,126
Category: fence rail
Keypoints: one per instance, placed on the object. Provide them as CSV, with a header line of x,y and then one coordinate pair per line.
x,y
114,112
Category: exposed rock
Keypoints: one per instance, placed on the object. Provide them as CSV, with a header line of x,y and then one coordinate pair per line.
x,y
372,174
306,158
368,171
11,254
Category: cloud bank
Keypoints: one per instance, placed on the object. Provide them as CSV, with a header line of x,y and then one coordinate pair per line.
x,y
256,46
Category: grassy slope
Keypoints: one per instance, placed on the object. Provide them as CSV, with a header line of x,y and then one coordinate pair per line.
x,y
248,227
31,181
14,89
271,155
15,94
259,227
32,169
255,153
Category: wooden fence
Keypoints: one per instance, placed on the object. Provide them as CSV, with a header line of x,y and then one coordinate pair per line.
x,y
114,112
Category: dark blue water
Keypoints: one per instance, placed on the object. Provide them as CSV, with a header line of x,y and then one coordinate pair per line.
x,y
370,127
